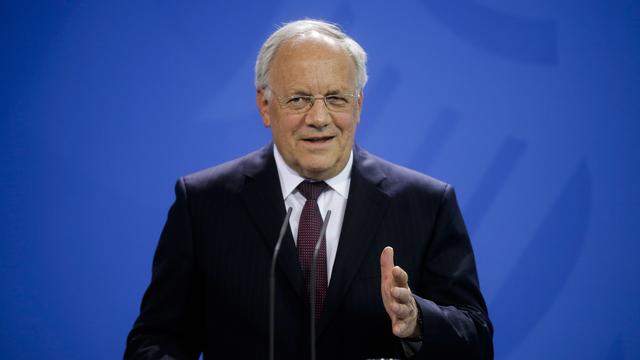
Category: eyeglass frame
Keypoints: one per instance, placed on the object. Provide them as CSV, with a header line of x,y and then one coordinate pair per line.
x,y
283,101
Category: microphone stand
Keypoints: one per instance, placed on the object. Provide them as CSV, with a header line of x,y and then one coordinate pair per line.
x,y
272,284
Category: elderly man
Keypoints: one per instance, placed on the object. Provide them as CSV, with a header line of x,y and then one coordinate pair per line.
x,y
210,287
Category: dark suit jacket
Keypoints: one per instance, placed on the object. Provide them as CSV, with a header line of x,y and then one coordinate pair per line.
x,y
209,290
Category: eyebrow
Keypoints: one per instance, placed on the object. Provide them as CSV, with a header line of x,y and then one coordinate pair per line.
x,y
306,93
300,92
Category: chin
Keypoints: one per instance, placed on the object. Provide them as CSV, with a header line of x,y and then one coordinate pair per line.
x,y
315,172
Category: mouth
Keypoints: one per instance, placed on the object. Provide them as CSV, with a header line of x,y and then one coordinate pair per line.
x,y
318,139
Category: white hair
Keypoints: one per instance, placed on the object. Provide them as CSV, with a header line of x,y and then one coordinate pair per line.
x,y
304,27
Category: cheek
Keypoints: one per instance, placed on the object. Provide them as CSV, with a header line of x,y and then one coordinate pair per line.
x,y
347,127
284,130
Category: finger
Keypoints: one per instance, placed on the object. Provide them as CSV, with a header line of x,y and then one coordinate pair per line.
x,y
402,311
400,277
386,260
401,295
401,329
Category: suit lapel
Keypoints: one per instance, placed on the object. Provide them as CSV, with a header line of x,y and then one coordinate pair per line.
x,y
262,196
366,207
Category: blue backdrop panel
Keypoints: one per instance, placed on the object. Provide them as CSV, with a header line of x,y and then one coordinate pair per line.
x,y
531,109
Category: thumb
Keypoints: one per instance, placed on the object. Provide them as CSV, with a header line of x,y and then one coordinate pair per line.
x,y
386,261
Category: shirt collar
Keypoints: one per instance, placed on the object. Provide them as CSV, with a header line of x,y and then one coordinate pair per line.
x,y
290,179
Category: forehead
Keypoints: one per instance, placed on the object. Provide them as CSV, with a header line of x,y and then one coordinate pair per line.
x,y
312,61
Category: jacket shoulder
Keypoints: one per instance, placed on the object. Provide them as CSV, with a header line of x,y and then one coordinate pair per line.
x,y
228,176
401,180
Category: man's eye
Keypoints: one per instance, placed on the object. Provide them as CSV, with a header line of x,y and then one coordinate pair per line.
x,y
297,100
337,100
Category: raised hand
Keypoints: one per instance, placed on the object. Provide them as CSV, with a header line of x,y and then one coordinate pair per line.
x,y
396,296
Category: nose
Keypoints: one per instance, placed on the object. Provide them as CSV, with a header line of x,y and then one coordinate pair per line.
x,y
318,115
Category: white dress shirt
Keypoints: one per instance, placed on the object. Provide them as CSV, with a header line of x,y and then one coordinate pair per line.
x,y
334,199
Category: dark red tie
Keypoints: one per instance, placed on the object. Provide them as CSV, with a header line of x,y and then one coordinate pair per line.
x,y
308,233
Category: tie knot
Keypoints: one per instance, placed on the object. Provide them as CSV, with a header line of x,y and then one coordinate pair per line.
x,y
311,190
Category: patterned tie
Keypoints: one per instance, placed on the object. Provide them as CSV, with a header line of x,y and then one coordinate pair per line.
x,y
308,233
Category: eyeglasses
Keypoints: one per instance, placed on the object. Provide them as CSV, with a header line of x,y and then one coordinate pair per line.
x,y
338,103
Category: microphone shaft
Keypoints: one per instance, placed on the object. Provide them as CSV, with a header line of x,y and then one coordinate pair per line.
x,y
272,284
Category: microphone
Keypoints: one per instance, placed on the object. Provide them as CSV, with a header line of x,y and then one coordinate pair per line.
x,y
272,283
312,282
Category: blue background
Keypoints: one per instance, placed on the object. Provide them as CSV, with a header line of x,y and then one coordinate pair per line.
x,y
530,108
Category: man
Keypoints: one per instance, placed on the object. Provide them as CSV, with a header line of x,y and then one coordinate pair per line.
x,y
209,291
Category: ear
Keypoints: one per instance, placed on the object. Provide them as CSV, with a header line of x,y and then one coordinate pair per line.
x,y
263,107
359,103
